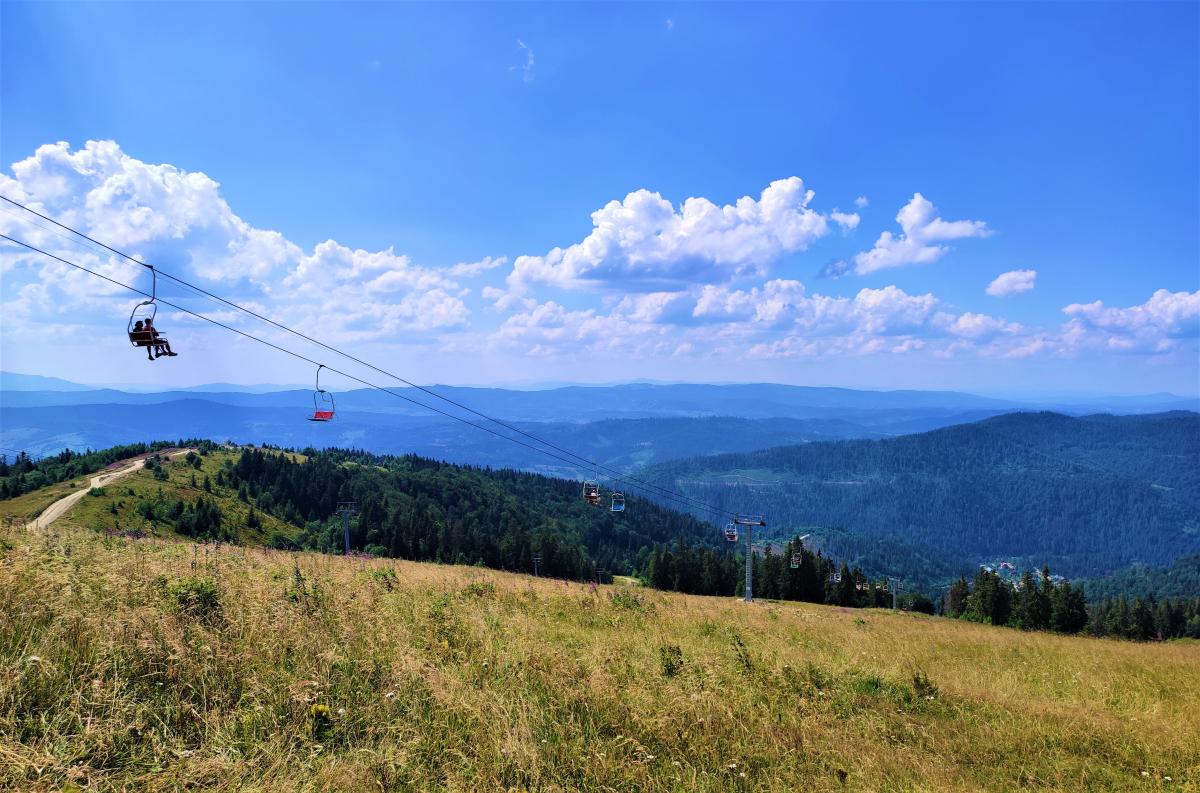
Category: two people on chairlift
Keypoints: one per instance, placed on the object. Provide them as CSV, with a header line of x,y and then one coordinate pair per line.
x,y
158,345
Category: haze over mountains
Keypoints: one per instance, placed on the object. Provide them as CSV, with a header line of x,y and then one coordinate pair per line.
x,y
622,426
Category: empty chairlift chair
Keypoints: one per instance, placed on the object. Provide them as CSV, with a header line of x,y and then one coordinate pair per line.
x,y
795,560
618,502
323,407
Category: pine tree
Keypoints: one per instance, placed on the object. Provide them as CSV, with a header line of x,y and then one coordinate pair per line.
x,y
956,598
846,594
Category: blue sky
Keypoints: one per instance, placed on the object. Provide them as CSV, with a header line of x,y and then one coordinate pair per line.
x,y
398,177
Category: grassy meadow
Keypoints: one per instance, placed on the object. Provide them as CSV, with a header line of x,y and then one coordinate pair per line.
x,y
159,664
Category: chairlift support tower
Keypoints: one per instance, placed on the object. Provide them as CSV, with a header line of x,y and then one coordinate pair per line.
x,y
749,522
347,509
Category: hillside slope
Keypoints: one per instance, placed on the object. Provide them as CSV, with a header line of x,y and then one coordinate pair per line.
x,y
410,507
156,665
1084,495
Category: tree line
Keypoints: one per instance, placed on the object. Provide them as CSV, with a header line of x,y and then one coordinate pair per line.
x,y
1038,603
794,573
24,474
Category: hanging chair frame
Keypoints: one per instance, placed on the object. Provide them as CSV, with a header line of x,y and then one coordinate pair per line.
x,y
324,407
145,310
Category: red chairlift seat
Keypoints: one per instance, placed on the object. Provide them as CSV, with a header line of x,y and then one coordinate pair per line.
x,y
323,406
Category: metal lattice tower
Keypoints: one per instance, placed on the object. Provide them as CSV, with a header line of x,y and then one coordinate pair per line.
x,y
347,509
749,522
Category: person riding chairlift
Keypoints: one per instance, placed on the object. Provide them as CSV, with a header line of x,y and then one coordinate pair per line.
x,y
139,334
160,343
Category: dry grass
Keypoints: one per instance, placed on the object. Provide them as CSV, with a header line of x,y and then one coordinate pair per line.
x,y
308,672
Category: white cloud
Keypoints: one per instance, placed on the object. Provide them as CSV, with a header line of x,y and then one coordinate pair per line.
x,y
975,326
922,231
178,220
472,269
644,242
527,67
1014,282
861,202
1156,326
505,300
848,221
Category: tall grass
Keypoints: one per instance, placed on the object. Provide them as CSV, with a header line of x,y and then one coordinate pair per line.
x,y
158,665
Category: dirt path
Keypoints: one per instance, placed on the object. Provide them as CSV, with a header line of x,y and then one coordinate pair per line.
x,y
60,507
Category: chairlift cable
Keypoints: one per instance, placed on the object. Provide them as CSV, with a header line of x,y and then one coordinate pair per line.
x,y
574,464
586,462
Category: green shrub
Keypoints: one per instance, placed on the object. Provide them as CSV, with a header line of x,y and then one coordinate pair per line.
x,y
923,686
197,597
630,601
670,657
479,589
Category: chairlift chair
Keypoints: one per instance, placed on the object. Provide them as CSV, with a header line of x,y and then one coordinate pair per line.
x,y
731,532
618,502
145,312
591,493
323,407
795,560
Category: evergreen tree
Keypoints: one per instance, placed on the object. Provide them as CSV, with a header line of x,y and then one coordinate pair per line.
x,y
846,594
956,598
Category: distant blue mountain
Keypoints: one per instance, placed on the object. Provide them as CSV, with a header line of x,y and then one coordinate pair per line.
x,y
12,381
624,425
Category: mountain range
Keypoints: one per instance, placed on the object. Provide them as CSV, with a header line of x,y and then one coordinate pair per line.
x,y
620,426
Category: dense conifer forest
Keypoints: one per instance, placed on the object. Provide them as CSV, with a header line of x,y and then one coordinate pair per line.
x,y
1088,496
1179,579
424,510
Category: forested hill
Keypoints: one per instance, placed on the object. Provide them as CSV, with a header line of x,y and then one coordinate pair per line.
x,y
416,508
1085,495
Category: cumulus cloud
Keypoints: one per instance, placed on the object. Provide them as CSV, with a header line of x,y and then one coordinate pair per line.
x,y
848,221
177,220
919,242
861,202
505,300
1157,325
975,326
1014,282
644,243
780,318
